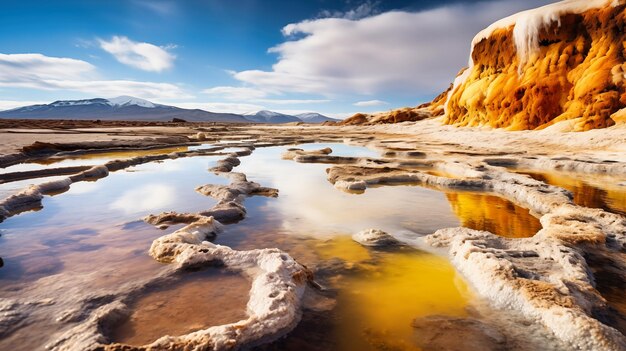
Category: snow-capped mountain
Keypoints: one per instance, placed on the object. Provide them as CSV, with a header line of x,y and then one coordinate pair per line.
x,y
132,108
125,100
119,108
314,117
265,116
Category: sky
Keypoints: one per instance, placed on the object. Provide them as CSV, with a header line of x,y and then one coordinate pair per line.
x,y
332,57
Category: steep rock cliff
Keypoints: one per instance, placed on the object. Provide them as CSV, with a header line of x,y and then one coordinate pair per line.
x,y
564,61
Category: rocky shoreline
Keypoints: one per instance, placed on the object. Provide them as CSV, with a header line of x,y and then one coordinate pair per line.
x,y
547,278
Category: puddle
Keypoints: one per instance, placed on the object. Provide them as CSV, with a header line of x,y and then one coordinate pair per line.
x,y
90,159
376,307
90,238
309,205
8,189
595,191
341,149
102,220
494,214
378,295
198,301
611,286
314,222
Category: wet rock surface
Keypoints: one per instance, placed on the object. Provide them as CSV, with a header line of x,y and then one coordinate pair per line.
x,y
456,334
375,238
550,278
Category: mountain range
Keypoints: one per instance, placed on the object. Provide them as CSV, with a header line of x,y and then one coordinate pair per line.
x,y
132,108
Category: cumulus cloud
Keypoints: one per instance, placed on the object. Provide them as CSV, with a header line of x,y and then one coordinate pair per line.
x,y
11,104
370,103
235,93
222,107
293,101
34,67
391,52
144,56
36,71
365,9
145,198
255,95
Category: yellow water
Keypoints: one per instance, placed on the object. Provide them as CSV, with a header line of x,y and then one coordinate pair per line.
x,y
379,292
494,214
593,191
377,305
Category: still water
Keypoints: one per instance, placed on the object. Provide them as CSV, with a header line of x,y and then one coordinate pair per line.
x,y
91,237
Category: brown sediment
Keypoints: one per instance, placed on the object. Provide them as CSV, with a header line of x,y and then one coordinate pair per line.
x,y
407,114
174,309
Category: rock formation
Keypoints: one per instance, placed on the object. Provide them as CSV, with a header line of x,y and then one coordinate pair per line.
x,y
560,62
375,238
563,61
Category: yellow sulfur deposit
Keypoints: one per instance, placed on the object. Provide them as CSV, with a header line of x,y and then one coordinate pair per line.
x,y
571,68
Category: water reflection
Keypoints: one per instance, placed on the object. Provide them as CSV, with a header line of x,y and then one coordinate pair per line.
x,y
90,159
377,305
379,292
309,204
494,214
89,222
145,198
90,238
607,193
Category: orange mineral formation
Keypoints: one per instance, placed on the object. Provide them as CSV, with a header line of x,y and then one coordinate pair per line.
x,y
560,62
563,61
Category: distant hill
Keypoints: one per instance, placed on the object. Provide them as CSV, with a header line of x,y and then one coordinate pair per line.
x,y
314,117
119,108
265,116
136,109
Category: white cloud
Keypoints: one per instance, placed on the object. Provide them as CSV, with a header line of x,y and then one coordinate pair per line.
x,y
365,9
37,67
256,96
144,198
235,93
144,56
223,107
391,52
36,71
292,101
11,104
370,103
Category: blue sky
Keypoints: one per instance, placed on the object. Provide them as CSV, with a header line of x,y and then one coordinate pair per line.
x,y
334,57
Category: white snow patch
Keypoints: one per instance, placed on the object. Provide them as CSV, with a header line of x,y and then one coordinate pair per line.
x,y
125,100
